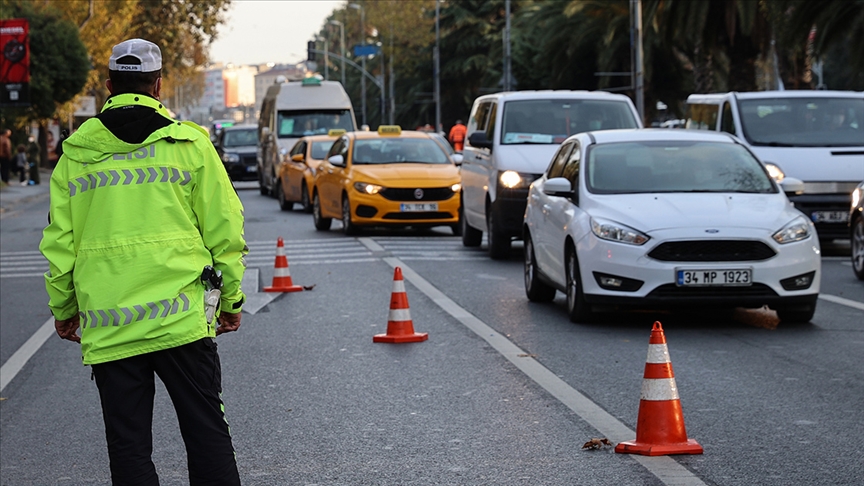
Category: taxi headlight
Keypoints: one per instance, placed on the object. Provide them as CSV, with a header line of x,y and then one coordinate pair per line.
x,y
367,188
798,229
456,188
775,172
230,158
512,179
612,231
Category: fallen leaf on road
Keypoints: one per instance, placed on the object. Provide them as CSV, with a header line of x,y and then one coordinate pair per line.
x,y
595,444
309,287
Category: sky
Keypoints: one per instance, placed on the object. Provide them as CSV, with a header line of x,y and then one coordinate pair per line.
x,y
262,31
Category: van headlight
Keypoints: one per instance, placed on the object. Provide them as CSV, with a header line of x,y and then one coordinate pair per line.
x,y
856,195
612,231
775,172
367,188
798,229
511,179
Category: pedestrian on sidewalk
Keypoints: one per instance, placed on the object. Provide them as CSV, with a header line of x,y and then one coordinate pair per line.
x,y
22,165
138,246
5,154
457,136
33,157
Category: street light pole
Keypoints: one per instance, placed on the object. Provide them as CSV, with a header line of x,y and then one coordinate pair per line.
x,y
342,42
359,7
437,68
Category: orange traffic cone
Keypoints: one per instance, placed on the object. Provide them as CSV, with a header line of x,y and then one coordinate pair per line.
x,y
281,275
660,426
400,328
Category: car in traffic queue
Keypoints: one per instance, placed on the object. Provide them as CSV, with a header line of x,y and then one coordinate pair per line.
x,y
856,230
388,178
670,219
237,146
297,171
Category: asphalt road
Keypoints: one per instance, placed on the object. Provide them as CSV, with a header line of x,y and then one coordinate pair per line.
x,y
503,392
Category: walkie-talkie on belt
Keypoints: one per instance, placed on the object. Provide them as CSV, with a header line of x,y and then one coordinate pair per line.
x,y
212,280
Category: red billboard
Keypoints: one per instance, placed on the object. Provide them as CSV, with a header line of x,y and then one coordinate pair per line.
x,y
15,62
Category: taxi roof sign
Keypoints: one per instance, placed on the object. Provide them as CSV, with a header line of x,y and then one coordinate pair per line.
x,y
389,130
335,132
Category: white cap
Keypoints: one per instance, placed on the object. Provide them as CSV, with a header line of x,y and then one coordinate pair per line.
x,y
145,51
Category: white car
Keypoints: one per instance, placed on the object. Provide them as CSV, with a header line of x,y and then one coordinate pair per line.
x,y
856,230
654,218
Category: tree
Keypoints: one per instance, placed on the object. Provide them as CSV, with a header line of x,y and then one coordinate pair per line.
x,y
58,66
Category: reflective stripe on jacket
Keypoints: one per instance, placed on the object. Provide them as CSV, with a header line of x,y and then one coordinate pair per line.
x,y
132,225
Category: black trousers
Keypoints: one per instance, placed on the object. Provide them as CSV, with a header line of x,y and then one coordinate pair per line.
x,y
192,375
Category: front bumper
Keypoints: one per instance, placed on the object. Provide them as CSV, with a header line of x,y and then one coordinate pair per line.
x,y
245,170
375,210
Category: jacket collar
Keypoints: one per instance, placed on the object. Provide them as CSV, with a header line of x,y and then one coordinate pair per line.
x,y
129,99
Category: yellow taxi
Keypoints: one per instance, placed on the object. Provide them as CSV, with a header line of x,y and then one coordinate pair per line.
x,y
390,178
297,170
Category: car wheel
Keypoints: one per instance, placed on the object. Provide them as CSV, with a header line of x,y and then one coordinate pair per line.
x,y
800,315
471,237
577,309
284,204
858,248
321,223
499,244
305,205
348,226
535,289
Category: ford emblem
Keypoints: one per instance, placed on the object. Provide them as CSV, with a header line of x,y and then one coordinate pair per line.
x,y
418,194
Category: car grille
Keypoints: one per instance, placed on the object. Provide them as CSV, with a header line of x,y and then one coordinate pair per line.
x,y
429,194
672,290
712,251
248,159
418,215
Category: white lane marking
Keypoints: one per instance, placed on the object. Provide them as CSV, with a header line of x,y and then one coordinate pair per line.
x,y
17,361
664,468
18,275
840,300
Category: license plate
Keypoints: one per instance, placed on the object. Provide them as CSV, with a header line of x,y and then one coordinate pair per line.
x,y
829,216
415,207
737,277
251,168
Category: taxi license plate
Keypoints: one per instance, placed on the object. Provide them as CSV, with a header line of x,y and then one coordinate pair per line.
x,y
829,216
415,207
737,277
251,168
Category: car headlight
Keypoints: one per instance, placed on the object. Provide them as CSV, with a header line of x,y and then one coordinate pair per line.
x,y
798,229
456,188
856,196
775,172
367,188
513,180
230,158
609,230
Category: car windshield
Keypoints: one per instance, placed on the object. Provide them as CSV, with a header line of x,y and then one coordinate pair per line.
x,y
296,124
320,149
803,122
674,166
240,138
398,150
552,121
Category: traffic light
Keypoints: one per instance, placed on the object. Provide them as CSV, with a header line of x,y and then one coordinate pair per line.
x,y
310,51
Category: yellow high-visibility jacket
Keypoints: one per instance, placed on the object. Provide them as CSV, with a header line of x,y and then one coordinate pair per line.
x,y
132,225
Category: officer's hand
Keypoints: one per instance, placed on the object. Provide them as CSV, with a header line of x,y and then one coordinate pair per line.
x,y
228,322
67,328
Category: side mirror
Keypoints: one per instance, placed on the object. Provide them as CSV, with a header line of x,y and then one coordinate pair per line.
x,y
792,186
297,158
337,160
478,139
457,158
558,186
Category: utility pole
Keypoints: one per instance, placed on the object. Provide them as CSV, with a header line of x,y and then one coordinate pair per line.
x,y
507,86
437,67
638,68
392,81
342,42
359,7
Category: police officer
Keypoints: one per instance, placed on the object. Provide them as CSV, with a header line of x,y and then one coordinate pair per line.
x,y
140,204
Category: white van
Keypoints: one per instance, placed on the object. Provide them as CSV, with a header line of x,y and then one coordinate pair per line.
x,y
294,109
511,138
814,136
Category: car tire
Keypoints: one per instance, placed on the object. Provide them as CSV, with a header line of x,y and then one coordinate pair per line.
x,y
321,223
800,315
499,244
471,237
857,237
284,204
348,226
535,289
305,204
578,310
